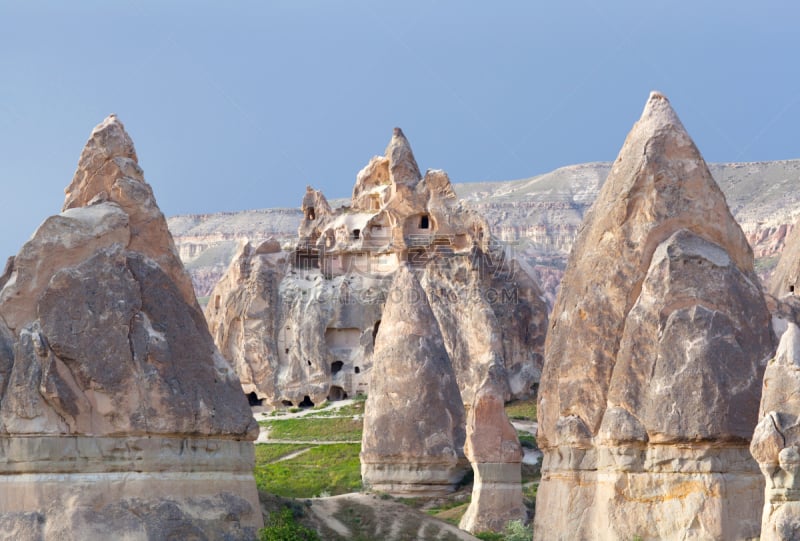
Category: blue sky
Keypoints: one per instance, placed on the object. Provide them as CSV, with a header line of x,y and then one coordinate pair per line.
x,y
239,105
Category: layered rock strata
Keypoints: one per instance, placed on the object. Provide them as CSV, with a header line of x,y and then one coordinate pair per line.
x,y
300,327
654,358
118,416
493,449
413,436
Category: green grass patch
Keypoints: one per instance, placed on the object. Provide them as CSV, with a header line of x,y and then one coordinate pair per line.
x,y
270,452
334,469
351,410
522,410
450,512
314,429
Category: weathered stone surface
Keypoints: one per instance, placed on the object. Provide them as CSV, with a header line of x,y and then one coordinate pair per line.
x,y
785,279
108,170
653,362
493,449
314,339
118,415
413,429
776,440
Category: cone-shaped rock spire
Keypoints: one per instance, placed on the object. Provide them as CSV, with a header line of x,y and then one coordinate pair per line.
x,y
420,452
403,167
657,344
132,420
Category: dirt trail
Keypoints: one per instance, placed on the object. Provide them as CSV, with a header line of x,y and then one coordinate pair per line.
x,y
393,520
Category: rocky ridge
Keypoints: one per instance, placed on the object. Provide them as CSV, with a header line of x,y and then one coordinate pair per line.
x,y
118,415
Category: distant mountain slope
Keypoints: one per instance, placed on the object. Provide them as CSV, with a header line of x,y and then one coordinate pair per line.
x,y
538,216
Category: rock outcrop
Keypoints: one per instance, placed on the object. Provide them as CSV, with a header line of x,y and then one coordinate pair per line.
x,y
325,298
493,449
654,358
413,436
119,418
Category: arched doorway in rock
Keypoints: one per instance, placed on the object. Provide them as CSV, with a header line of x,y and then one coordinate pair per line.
x,y
336,393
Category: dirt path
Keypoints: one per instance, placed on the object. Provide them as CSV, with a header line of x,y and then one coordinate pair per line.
x,y
392,520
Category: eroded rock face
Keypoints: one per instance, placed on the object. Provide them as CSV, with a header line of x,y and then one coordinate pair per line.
x,y
107,368
494,451
658,341
413,435
776,441
332,287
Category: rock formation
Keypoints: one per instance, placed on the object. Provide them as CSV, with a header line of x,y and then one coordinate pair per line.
x,y
325,298
776,442
654,358
118,416
493,449
413,436
539,216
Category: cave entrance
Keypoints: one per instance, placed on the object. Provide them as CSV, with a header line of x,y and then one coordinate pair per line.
x,y
336,367
336,393
306,403
254,400
424,222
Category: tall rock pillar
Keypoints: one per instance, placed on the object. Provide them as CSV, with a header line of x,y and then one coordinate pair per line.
x,y
654,358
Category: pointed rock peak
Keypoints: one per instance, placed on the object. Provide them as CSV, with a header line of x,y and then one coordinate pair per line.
x,y
658,113
407,306
403,167
108,155
315,204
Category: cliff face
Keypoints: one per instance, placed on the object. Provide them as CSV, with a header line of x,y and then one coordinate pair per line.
x,y
300,326
538,216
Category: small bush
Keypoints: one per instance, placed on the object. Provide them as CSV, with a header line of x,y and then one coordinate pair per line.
x,y
282,526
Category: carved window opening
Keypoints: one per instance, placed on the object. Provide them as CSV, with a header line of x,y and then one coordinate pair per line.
x,y
286,351
253,400
357,370
791,289
424,222
306,403
336,367
356,234
216,302
310,214
336,393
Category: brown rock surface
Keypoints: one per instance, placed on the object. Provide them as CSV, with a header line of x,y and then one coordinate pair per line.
x,y
658,340
324,300
413,435
118,415
493,449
